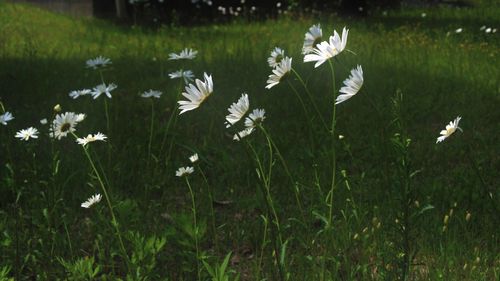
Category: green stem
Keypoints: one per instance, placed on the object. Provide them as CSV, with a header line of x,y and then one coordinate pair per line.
x,y
193,209
210,197
306,114
151,129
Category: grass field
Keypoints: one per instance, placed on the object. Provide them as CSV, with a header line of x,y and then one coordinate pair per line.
x,y
397,206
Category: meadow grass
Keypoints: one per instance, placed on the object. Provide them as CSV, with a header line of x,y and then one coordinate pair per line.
x,y
418,75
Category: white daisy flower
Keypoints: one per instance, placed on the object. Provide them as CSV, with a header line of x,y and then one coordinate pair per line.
x,y
277,55
151,94
184,171
283,68
6,117
237,110
98,62
187,75
92,200
78,93
312,38
327,50
26,134
64,124
193,158
352,85
196,94
255,117
103,89
44,121
450,129
243,133
459,30
91,138
188,54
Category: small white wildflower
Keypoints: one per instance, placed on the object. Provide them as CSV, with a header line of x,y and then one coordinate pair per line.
x,y
78,93
256,117
237,110
277,55
103,89
188,54
92,200
459,30
65,123
327,50
98,62
196,94
312,38
91,138
243,133
193,158
279,73
6,117
26,134
43,121
450,129
187,75
352,85
151,94
184,171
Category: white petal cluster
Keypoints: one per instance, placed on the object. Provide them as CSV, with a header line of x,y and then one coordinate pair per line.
x,y
193,158
352,85
184,171
243,133
196,94
450,129
91,201
283,68
237,110
187,75
256,117
6,117
151,94
91,138
78,93
327,50
277,55
103,89
65,123
26,134
98,62
312,38
188,54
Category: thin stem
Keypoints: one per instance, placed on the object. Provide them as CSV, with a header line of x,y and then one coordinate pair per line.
x,y
210,197
151,129
311,98
172,119
114,221
306,113
193,209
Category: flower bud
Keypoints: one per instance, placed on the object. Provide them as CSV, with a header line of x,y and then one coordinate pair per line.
x,y
57,108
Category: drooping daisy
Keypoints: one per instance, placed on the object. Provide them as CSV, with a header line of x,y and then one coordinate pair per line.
x,y
184,171
283,68
256,117
187,75
92,200
277,55
352,85
188,54
450,129
98,62
327,50
6,117
196,94
312,38
64,124
78,93
26,134
237,110
193,158
91,138
243,133
103,89
151,94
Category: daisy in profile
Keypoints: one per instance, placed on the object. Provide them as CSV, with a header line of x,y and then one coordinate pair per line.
x,y
78,93
184,171
277,55
98,62
26,134
256,117
187,75
312,38
64,124
352,85
243,133
450,129
237,110
193,158
327,50
91,138
91,201
6,117
187,54
151,94
283,68
196,94
103,89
